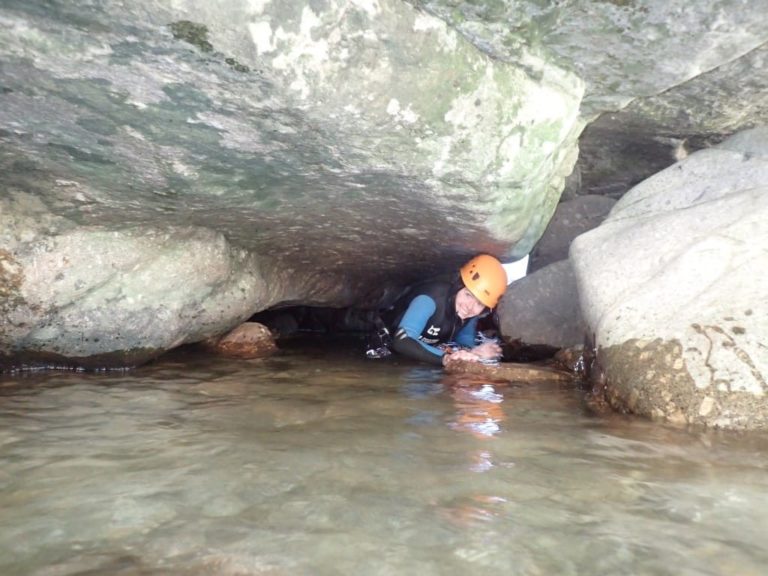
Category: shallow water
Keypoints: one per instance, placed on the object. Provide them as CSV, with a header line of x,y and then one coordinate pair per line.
x,y
318,462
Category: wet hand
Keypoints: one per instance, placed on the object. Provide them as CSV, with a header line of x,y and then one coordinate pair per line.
x,y
487,350
465,355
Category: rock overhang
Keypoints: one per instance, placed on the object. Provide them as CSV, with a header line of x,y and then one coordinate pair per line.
x,y
342,146
135,122
325,152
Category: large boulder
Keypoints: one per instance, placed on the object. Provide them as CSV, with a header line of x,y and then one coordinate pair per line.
x,y
646,49
672,289
572,217
322,152
543,308
201,161
620,149
669,76
86,296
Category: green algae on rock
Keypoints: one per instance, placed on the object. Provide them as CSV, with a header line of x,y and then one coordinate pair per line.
x,y
192,33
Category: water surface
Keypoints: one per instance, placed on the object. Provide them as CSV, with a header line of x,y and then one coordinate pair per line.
x,y
319,462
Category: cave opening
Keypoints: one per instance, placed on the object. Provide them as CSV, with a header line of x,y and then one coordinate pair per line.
x,y
355,327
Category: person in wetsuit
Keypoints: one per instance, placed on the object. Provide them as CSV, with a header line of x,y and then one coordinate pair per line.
x,y
435,313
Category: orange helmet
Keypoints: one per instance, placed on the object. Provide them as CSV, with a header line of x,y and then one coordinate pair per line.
x,y
485,277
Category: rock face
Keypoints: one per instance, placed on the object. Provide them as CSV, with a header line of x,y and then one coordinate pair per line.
x,y
169,168
543,308
571,218
672,289
622,148
669,77
85,296
312,151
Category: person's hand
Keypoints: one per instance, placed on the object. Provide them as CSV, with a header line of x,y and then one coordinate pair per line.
x,y
465,355
487,350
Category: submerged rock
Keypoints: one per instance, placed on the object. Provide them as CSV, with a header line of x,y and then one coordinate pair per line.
x,y
249,340
511,371
671,287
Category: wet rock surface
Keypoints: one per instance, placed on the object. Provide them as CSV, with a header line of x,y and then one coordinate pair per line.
x,y
87,294
323,146
543,308
167,170
651,378
249,340
510,371
676,265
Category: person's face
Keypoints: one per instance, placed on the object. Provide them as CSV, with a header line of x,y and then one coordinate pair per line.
x,y
467,305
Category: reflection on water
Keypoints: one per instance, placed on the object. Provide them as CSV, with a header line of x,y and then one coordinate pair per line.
x,y
319,462
479,409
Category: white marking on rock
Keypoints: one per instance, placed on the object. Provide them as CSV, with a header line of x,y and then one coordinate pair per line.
x,y
261,34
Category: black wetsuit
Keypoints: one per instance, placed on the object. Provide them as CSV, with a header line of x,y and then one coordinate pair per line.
x,y
426,317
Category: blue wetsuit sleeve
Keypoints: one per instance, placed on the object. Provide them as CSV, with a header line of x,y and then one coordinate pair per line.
x,y
466,336
406,340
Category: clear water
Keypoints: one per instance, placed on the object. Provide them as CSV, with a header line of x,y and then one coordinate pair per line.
x,y
318,462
